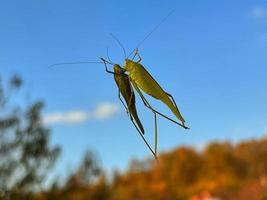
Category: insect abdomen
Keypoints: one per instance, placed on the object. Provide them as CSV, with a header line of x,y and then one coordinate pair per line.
x,y
148,84
175,110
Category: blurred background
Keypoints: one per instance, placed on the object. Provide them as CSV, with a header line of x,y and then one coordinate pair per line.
x,y
65,135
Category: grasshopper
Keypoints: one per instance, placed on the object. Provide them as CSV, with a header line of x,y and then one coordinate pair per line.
x,y
125,88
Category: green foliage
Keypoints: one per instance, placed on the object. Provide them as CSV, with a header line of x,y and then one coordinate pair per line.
x,y
26,156
87,172
224,170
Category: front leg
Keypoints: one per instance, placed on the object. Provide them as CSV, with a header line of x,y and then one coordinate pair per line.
x,y
137,54
105,63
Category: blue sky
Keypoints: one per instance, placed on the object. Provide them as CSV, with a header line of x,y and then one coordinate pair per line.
x,y
210,55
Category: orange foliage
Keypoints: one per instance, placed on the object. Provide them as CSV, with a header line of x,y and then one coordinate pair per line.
x,y
220,171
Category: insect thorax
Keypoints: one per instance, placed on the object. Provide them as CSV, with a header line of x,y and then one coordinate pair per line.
x,y
129,65
118,69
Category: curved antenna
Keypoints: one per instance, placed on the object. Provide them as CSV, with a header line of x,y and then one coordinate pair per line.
x,y
152,31
73,63
109,57
105,61
117,40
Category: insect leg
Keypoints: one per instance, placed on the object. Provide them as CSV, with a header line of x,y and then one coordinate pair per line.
x,y
156,133
105,63
155,120
173,102
150,107
119,95
133,56
155,114
154,154
137,54
172,99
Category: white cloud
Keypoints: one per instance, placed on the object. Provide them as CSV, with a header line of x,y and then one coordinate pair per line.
x,y
259,12
105,110
101,112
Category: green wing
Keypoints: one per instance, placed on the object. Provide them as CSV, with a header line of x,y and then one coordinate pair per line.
x,y
150,86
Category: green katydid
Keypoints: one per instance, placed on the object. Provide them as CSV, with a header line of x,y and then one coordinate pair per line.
x,y
142,80
124,88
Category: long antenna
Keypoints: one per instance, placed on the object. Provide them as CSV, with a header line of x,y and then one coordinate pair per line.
x,y
73,63
118,41
152,31
108,56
